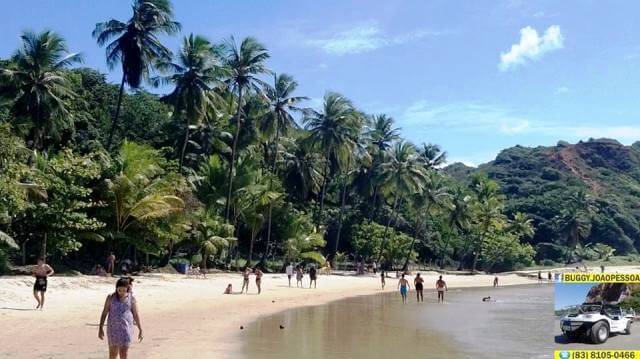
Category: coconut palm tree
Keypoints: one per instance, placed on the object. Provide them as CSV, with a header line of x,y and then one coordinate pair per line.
x,y
574,222
194,73
279,120
459,216
382,135
244,64
434,195
136,46
212,235
432,155
403,175
37,85
333,132
303,171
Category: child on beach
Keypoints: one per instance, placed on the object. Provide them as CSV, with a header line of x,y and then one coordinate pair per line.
x,y
122,312
229,289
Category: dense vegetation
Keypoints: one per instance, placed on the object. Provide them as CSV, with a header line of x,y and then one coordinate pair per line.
x,y
231,166
582,197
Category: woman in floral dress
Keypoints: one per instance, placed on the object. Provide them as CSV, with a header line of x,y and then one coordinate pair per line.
x,y
122,312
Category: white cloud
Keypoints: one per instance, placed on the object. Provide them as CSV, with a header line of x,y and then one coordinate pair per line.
x,y
464,117
366,37
531,47
561,90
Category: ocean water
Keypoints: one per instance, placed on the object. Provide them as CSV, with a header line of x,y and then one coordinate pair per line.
x,y
519,323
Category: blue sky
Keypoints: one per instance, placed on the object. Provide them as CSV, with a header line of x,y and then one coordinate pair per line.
x,y
571,294
473,76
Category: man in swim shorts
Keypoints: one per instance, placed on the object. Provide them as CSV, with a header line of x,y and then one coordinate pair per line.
x,y
441,287
418,283
403,285
42,271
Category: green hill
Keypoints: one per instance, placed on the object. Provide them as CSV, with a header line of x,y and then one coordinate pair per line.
x,y
539,182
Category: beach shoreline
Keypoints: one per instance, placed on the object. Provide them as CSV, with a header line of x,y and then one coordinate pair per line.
x,y
182,317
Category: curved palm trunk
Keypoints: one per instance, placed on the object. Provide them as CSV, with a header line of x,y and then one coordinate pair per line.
x,y
413,241
115,117
233,156
324,180
386,231
184,145
253,238
342,204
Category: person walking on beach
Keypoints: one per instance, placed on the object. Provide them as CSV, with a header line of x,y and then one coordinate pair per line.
x,y
495,281
313,275
375,267
122,312
245,279
403,285
539,277
549,277
299,276
441,287
42,271
110,264
258,274
382,281
418,284
289,271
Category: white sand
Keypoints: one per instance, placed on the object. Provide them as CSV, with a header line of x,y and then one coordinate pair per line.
x,y
182,317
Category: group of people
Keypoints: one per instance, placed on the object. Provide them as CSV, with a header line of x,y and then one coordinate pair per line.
x,y
418,282
299,273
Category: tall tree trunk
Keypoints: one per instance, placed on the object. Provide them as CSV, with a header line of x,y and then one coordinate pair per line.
x,y
274,166
253,238
372,214
227,210
324,180
340,219
117,115
266,250
43,249
184,144
405,266
386,231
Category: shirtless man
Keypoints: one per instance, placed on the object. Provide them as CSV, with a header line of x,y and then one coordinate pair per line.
x,y
42,271
441,287
418,284
403,285
258,274
245,280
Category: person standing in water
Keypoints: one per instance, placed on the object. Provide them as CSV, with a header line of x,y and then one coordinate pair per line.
x,y
382,281
549,277
122,312
313,276
403,285
258,274
289,271
418,283
245,280
42,271
539,277
441,287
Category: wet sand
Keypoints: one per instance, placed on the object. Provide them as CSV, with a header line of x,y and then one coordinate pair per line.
x,y
518,325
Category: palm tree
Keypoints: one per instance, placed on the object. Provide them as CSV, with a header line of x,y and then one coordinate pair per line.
x,y
136,46
432,155
333,132
212,235
243,63
459,216
574,222
434,195
382,135
403,175
38,87
279,119
303,171
521,225
194,75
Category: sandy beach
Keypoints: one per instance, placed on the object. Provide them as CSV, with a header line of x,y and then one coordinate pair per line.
x,y
182,317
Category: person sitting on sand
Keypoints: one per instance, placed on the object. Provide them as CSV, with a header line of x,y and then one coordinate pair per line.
x,y
42,271
229,289
299,276
289,271
441,287
100,272
495,281
122,312
258,274
313,274
403,285
245,279
417,282
382,275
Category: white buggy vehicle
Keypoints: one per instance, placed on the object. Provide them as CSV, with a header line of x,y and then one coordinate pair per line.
x,y
595,321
